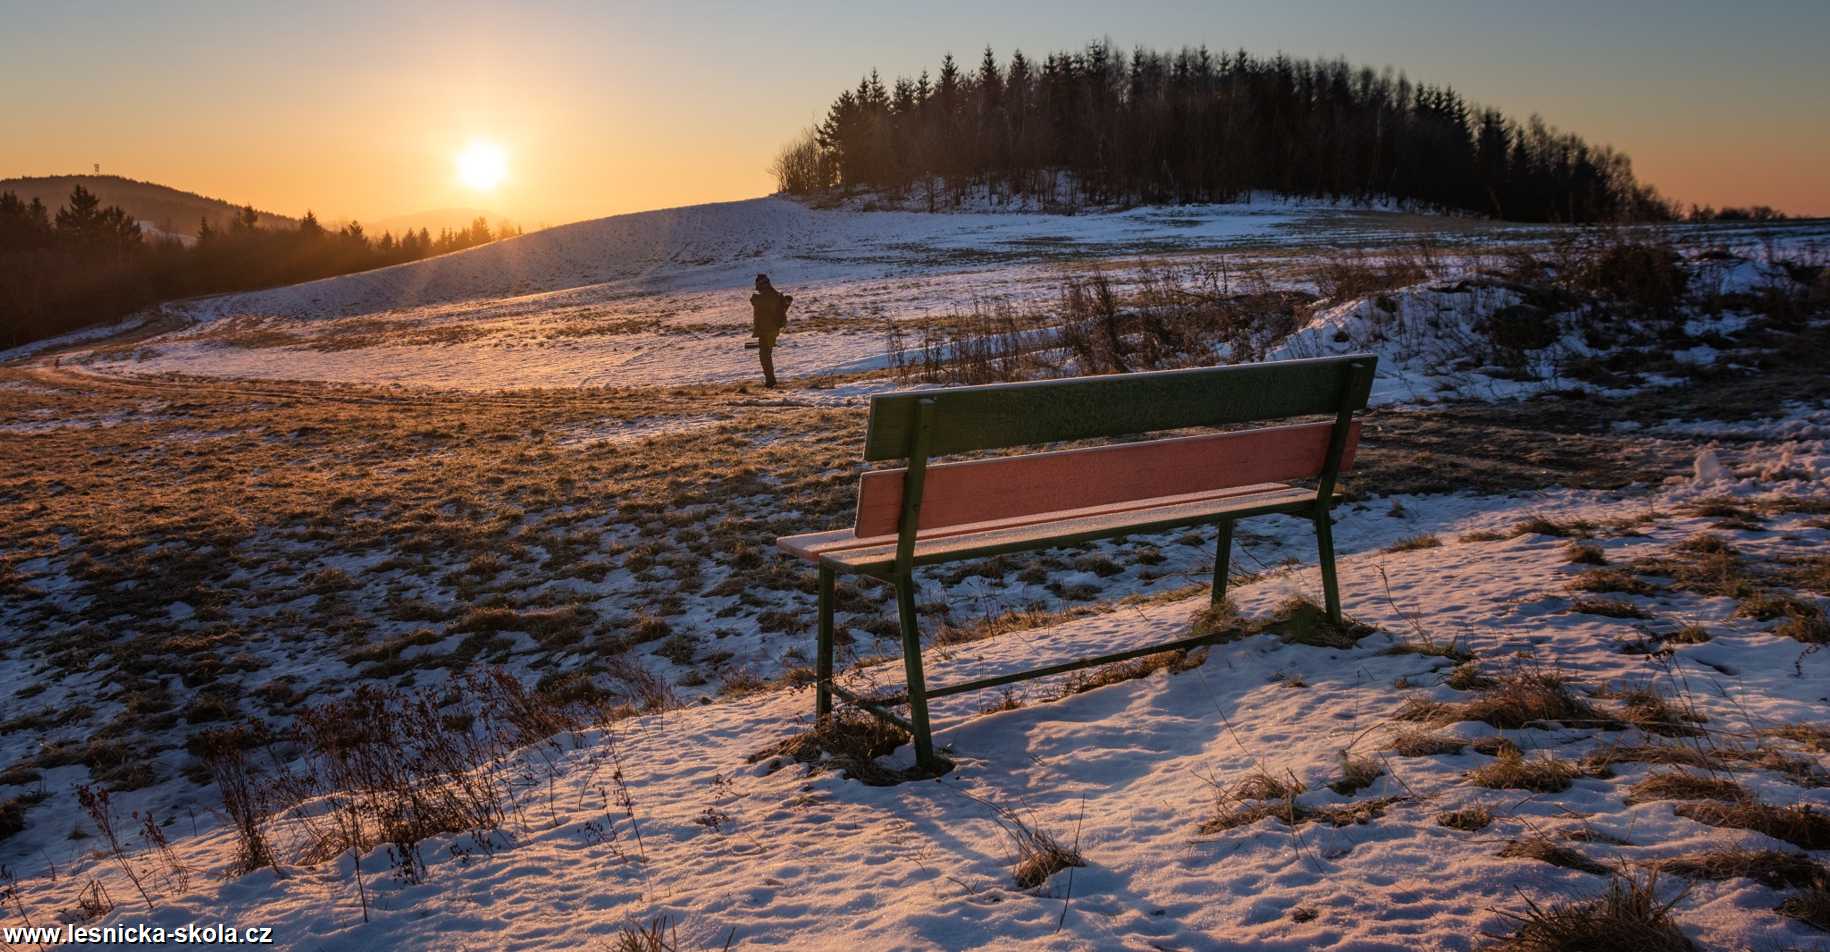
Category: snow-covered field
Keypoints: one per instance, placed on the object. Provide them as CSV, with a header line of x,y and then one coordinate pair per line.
x,y
332,495
772,853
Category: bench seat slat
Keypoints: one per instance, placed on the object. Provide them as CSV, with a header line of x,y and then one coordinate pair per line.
x,y
812,545
1068,531
977,491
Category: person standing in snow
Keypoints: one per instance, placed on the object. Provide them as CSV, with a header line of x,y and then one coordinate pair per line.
x,y
768,315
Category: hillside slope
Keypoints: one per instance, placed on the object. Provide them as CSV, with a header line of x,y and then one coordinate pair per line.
x,y
167,209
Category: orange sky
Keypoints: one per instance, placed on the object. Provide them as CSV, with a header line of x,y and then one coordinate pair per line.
x,y
358,110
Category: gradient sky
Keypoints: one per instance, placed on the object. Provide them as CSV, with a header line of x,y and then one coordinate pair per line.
x,y
356,110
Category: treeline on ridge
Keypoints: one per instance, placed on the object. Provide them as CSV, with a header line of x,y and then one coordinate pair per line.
x,y
1101,127
87,264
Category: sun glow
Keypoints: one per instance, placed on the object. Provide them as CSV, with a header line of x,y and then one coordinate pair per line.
x,y
482,165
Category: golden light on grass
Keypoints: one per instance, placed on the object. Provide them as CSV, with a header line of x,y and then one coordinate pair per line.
x,y
482,165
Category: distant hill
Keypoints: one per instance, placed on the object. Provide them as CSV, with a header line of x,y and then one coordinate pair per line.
x,y
165,209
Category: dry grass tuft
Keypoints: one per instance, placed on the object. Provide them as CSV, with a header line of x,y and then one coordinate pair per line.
x,y
1810,904
1810,736
849,741
1546,850
1291,813
1513,771
1264,785
1653,713
1679,785
1538,525
1039,856
1607,607
1411,742
1118,672
1774,868
1513,701
1414,543
1303,622
1357,773
1804,626
1672,754
1798,824
1584,553
1466,819
1626,918
1603,581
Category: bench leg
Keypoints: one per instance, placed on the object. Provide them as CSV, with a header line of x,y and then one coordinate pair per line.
x,y
911,663
1324,544
1223,560
822,705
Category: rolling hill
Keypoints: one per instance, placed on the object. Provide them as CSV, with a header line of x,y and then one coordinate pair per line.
x,y
168,209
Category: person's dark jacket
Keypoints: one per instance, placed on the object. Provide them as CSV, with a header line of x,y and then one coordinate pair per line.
x,y
768,314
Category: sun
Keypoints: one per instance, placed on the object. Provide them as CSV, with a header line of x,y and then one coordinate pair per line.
x,y
482,165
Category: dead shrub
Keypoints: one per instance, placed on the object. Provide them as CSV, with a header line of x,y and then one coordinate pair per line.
x,y
1650,277
240,788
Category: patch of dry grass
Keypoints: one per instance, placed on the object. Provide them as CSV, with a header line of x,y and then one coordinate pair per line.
x,y
1414,543
1628,917
1513,771
1773,868
1466,819
1607,607
1584,553
849,741
1357,773
1602,581
1799,824
1512,701
1118,672
1546,850
1411,742
1680,785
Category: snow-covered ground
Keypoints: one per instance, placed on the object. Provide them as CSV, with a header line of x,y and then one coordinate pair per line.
x,y
670,815
770,854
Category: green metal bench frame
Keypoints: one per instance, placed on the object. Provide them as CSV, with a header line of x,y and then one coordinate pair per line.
x,y
919,425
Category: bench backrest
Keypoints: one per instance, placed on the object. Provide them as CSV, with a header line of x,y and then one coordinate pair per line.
x,y
916,425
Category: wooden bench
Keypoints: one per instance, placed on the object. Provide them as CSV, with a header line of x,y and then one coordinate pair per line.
x,y
927,513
